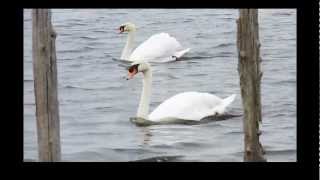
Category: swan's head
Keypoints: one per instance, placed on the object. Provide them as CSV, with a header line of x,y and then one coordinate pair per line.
x,y
127,27
137,67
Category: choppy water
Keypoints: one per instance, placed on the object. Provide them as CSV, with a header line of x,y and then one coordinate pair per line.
x,y
96,101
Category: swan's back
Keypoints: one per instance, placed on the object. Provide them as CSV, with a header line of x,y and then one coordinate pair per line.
x,y
157,47
188,106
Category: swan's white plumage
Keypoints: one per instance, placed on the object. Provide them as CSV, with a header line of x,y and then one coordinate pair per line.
x,y
191,106
160,47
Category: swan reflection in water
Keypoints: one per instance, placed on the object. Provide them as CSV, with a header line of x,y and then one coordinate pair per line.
x,y
146,135
145,122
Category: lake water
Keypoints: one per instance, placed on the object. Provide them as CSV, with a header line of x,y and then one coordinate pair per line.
x,y
96,102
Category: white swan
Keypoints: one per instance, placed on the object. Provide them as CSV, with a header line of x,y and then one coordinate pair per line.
x,y
158,48
186,106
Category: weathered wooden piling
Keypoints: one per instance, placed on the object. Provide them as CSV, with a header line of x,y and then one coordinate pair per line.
x,y
250,77
45,85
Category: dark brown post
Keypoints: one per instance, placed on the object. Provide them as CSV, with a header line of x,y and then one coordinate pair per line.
x,y
45,85
250,77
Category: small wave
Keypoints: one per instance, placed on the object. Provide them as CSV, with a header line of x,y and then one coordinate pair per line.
x,y
188,20
223,54
58,26
88,48
86,155
75,87
189,144
65,34
65,59
121,60
195,57
96,44
92,88
70,51
85,48
99,31
76,65
76,24
226,18
286,82
159,159
132,150
200,35
281,14
228,32
69,87
192,62
197,75
118,13
289,127
97,133
280,152
107,55
224,45
162,146
172,76
88,37
235,132
153,23
102,108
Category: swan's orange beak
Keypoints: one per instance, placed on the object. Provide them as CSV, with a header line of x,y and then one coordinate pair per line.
x,y
131,73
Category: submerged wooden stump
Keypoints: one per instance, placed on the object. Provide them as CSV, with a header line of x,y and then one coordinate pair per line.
x,y
45,85
250,77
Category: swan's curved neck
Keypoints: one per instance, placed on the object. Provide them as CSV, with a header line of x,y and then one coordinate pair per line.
x,y
143,109
126,52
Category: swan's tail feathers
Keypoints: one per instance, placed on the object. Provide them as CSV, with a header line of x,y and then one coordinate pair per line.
x,y
227,101
220,109
181,53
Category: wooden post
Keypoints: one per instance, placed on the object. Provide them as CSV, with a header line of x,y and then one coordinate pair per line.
x,y
45,85
250,77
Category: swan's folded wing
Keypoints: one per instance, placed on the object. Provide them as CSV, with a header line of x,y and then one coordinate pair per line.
x,y
187,106
157,47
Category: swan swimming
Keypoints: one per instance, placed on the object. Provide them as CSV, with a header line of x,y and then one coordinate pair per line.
x,y
158,48
187,105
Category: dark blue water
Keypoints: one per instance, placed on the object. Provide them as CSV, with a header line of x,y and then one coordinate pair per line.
x,y
96,101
